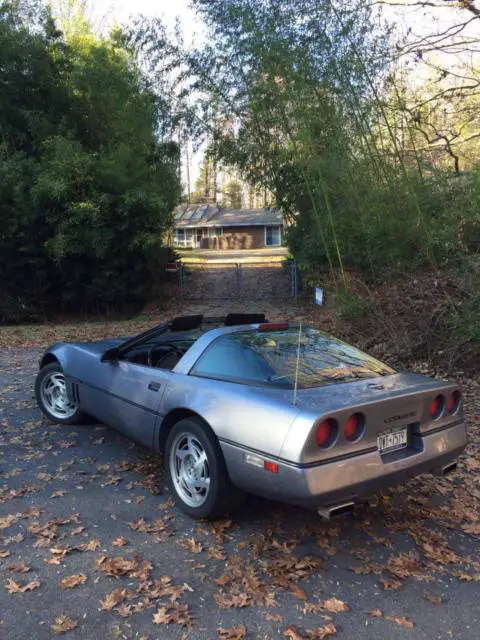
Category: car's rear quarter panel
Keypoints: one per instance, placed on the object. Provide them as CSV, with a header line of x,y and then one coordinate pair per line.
x,y
249,416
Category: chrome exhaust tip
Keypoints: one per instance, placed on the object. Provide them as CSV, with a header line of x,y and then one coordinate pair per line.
x,y
327,513
449,468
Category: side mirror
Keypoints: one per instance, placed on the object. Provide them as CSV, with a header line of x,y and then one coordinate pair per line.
x,y
110,355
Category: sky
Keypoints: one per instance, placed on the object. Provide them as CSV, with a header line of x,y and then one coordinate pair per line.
x,y
168,10
419,21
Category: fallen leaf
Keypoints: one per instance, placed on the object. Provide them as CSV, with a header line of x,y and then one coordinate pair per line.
x,y
298,592
112,599
232,601
72,581
223,580
4,554
91,545
191,544
119,542
63,623
273,617
390,584
177,613
433,598
15,587
402,621
234,633
292,633
321,633
7,521
375,613
116,566
125,611
19,568
334,605
472,529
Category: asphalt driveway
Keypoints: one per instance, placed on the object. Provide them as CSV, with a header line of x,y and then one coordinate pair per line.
x,y
90,541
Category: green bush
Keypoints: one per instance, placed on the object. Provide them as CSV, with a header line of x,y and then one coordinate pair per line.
x,y
86,187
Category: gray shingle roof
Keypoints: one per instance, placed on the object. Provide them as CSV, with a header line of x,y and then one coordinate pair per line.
x,y
208,215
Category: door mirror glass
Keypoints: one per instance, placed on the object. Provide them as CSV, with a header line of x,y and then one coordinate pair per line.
x,y
110,355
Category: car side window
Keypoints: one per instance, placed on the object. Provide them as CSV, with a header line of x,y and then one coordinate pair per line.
x,y
230,360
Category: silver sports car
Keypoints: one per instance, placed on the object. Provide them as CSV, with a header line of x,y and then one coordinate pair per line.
x,y
243,405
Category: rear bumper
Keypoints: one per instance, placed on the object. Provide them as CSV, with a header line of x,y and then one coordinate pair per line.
x,y
344,480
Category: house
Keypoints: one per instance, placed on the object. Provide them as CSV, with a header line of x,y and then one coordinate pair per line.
x,y
208,226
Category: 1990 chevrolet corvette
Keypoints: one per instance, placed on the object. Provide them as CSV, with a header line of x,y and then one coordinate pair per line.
x,y
243,405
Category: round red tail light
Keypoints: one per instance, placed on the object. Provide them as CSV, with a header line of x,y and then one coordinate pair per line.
x,y
353,429
453,402
326,432
436,407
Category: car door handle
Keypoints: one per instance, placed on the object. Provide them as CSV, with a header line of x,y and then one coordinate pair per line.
x,y
154,386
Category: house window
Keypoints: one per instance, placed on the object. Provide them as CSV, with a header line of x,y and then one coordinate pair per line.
x,y
184,238
273,236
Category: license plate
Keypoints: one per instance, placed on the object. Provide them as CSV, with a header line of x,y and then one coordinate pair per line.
x,y
392,440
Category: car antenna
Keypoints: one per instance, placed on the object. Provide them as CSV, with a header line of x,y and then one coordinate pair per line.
x,y
297,365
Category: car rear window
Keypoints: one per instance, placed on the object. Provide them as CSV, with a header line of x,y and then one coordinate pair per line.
x,y
270,358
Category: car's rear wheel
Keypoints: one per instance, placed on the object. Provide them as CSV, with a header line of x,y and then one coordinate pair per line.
x,y
197,473
52,397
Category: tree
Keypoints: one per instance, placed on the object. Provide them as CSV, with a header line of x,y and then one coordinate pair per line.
x,y
234,194
87,186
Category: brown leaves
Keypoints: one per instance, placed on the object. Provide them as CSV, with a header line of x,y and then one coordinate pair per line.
x,y
472,529
298,592
116,566
433,598
142,525
233,601
406,565
119,542
19,568
390,584
63,623
242,586
7,521
73,581
112,599
4,554
402,621
375,613
191,545
334,605
14,587
440,553
91,545
175,613
320,633
235,633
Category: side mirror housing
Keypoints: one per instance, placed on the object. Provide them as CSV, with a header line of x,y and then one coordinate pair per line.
x,y
110,355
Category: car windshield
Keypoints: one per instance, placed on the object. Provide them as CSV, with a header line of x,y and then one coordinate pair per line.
x,y
270,358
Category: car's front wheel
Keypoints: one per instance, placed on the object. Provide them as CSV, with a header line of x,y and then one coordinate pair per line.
x,y
52,397
197,473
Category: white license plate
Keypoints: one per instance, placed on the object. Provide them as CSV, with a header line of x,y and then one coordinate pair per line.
x,y
393,439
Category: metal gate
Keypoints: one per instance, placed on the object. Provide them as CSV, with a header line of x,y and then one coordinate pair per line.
x,y
234,280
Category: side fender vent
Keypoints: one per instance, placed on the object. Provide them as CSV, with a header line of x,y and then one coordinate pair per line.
x,y
75,393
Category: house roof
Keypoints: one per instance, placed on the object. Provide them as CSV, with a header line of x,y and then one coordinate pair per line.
x,y
210,215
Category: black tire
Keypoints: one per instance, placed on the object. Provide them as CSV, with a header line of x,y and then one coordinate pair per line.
x,y
46,372
222,496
